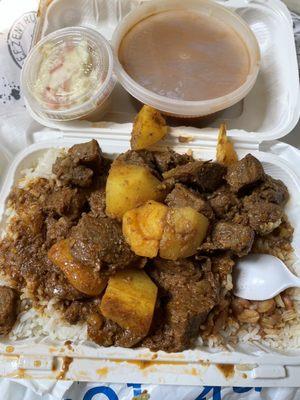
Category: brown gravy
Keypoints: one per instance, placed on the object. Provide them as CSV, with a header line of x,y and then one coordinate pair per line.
x,y
185,55
226,369
65,367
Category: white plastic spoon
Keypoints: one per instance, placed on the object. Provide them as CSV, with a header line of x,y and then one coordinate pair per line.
x,y
261,277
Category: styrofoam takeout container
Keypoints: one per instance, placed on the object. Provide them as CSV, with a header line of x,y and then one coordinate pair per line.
x,y
269,111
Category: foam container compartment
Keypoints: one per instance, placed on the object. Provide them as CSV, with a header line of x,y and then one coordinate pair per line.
x,y
250,364
270,111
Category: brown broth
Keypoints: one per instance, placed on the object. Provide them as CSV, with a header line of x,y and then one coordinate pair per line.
x,y
185,55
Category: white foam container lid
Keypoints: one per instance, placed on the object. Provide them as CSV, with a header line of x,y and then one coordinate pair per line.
x,y
269,111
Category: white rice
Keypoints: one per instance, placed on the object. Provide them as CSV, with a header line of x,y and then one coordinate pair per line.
x,y
47,325
43,168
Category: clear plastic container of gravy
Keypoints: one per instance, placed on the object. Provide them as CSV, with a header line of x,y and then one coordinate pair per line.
x,y
187,58
69,75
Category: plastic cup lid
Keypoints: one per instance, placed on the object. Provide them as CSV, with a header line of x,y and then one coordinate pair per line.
x,y
67,70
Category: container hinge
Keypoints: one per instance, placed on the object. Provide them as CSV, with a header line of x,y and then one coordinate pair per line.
x,y
246,145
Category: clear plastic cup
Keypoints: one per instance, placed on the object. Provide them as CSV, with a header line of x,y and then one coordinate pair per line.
x,y
69,75
175,106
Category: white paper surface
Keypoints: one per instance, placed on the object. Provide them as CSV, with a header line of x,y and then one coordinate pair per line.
x,y
16,27
102,391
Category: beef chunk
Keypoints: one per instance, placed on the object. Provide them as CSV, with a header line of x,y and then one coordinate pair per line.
x,y
97,202
170,275
169,159
188,295
88,154
79,176
69,173
9,303
55,285
79,311
224,203
24,258
272,190
143,158
57,229
73,313
244,173
64,201
79,165
222,265
99,241
263,217
206,176
279,241
107,333
235,237
184,197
